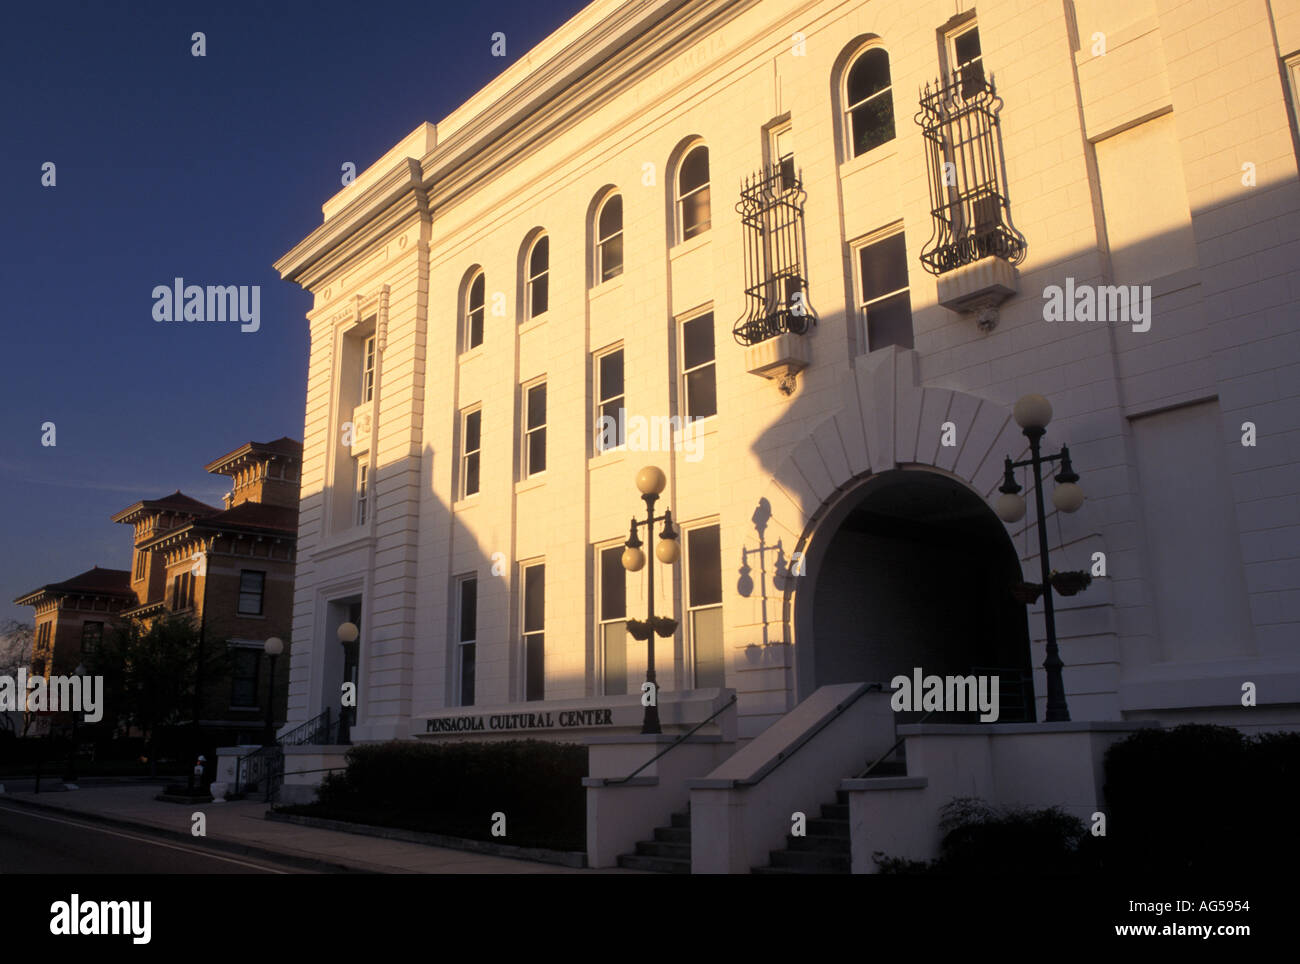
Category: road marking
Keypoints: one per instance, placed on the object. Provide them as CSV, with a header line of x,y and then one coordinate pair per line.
x,y
148,840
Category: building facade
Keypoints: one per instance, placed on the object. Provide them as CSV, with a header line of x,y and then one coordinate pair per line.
x,y
805,257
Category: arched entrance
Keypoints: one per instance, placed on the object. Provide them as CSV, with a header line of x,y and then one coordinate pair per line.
x,y
911,569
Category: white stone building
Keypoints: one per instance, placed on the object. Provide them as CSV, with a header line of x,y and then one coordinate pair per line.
x,y
571,243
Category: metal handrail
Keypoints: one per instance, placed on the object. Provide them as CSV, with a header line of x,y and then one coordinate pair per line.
x,y
807,738
313,727
897,744
680,739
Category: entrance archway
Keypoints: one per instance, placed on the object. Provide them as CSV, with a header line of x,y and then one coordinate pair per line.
x,y
912,570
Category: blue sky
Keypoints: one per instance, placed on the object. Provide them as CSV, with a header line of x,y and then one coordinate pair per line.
x,y
207,168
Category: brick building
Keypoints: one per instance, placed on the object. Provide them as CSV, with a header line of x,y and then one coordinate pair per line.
x,y
229,570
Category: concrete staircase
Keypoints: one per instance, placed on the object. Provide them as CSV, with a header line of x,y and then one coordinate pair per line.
x,y
670,850
826,848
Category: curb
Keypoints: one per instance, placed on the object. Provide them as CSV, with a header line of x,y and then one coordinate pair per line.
x,y
217,843
563,858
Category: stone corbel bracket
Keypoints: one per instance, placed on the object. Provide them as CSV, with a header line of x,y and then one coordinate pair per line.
x,y
979,288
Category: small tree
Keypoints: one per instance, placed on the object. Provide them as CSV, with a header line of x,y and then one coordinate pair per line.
x,y
150,673
15,653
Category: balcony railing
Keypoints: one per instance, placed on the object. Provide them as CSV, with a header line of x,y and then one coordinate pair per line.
x,y
776,289
968,202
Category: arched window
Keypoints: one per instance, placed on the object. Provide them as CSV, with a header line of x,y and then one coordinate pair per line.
x,y
536,294
693,209
869,102
472,335
609,239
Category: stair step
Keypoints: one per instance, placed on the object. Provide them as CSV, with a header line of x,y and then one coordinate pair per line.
x,y
842,797
812,861
828,828
655,848
889,768
673,834
818,844
657,865
835,811
682,820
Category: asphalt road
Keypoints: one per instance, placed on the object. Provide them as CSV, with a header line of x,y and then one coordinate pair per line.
x,y
49,843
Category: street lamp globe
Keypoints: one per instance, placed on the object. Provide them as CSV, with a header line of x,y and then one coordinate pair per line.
x,y
1032,411
1010,506
668,551
274,646
651,480
80,670
633,559
348,633
1067,496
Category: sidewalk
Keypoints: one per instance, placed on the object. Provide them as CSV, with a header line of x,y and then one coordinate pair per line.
x,y
240,826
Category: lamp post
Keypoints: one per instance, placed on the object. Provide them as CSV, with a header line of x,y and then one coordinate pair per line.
x,y
1033,413
347,634
80,673
650,481
273,647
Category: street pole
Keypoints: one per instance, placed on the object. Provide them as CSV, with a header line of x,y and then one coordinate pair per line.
x,y
1057,710
650,723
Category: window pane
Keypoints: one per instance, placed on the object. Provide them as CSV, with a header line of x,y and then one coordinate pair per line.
x,y
540,259
611,375
476,329
476,293
536,451
696,214
471,474
613,584
611,217
967,46
611,258
535,668
884,267
873,123
705,563
868,75
889,322
467,658
534,598
695,170
537,406
701,393
468,609
539,296
697,341
615,648
706,633
473,421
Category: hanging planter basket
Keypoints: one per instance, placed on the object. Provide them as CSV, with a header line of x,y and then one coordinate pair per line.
x,y
1071,583
1026,592
639,629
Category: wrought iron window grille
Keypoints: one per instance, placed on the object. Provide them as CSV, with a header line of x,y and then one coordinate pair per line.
x,y
776,290
969,207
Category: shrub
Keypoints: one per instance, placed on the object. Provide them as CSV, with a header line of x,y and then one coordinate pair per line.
x,y
454,788
1203,798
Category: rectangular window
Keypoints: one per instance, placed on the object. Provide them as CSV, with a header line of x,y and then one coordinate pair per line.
x,y
613,620
139,565
182,591
43,636
885,301
243,683
699,378
965,59
1293,75
534,429
533,618
609,400
363,486
92,634
252,585
470,443
704,604
781,153
368,369
466,637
